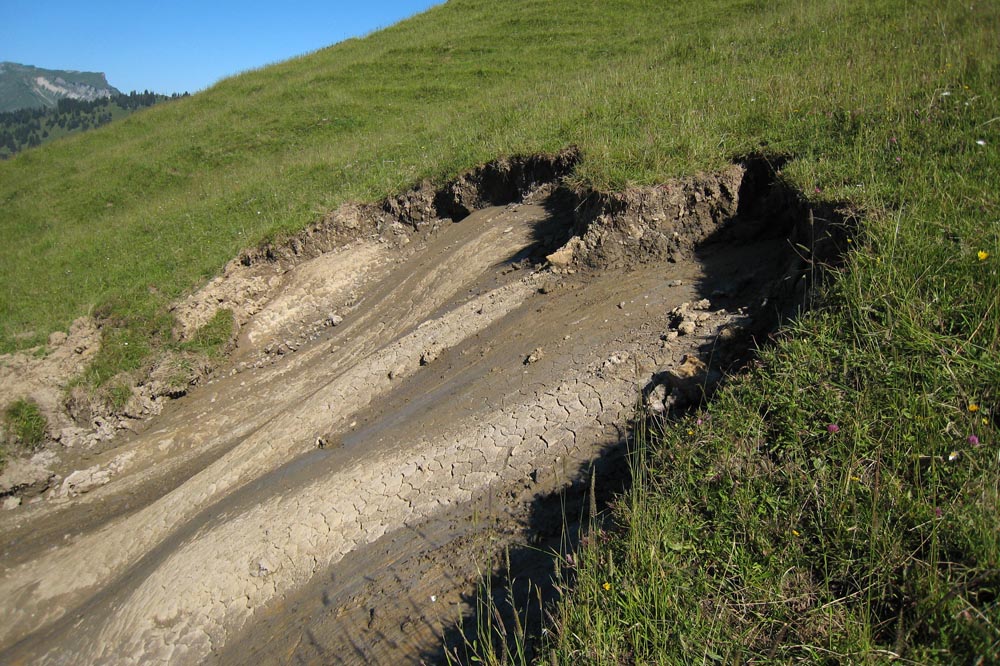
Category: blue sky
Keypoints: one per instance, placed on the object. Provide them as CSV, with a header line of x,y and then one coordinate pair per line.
x,y
176,46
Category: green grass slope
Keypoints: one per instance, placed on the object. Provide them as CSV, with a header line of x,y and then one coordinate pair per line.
x,y
757,534
159,202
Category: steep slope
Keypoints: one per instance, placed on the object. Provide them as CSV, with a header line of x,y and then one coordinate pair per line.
x,y
465,374
387,339
646,94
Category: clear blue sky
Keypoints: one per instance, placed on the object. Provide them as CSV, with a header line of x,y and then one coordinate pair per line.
x,y
169,46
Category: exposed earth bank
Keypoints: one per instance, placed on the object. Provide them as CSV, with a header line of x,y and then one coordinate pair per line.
x,y
410,381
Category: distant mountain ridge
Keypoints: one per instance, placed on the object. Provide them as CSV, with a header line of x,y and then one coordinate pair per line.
x,y
26,87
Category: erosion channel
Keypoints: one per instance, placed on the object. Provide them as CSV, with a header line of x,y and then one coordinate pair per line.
x,y
413,385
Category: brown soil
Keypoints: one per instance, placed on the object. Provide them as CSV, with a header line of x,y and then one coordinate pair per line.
x,y
413,385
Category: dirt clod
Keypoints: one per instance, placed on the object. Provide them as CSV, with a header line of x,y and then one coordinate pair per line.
x,y
687,327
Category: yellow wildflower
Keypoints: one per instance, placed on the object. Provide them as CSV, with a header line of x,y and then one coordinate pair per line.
x,y
606,586
796,533
973,407
983,255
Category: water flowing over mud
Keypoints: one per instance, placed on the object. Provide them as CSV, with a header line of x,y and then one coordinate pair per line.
x,y
411,382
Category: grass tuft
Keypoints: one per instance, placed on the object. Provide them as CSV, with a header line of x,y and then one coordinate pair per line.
x,y
24,428
213,338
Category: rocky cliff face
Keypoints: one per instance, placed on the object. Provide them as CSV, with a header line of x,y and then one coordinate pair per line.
x,y
24,86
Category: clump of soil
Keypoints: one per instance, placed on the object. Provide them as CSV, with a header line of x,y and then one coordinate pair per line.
x,y
648,224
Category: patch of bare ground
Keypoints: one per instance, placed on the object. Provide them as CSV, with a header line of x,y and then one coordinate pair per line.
x,y
414,387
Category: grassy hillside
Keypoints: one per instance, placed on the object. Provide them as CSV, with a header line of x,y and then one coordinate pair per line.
x,y
758,533
141,211
29,128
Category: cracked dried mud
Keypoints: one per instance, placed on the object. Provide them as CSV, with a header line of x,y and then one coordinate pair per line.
x,y
399,404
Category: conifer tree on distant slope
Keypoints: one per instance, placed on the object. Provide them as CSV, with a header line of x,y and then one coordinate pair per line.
x,y
31,127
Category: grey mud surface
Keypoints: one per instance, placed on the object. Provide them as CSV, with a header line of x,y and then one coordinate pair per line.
x,y
395,411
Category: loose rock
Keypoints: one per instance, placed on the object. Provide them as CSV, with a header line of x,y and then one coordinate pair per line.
x,y
429,356
687,327
84,480
655,400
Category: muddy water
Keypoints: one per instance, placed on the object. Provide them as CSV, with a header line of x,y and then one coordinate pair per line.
x,y
240,538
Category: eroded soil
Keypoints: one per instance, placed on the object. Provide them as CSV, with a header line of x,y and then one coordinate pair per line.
x,y
405,393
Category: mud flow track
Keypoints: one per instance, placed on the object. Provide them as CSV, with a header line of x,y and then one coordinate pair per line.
x,y
393,404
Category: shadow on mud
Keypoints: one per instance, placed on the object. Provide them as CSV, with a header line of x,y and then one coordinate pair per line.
x,y
796,245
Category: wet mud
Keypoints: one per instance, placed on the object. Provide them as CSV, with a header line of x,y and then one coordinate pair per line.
x,y
418,387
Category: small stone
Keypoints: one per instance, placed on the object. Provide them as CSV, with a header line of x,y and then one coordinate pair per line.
x,y
687,327
429,356
397,371
691,379
621,306
11,503
703,304
84,480
534,356
334,320
675,283
616,359
564,256
71,436
655,399
728,333
681,310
